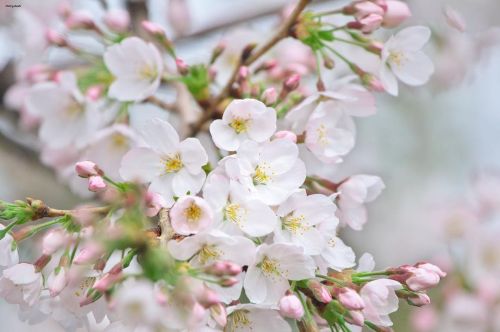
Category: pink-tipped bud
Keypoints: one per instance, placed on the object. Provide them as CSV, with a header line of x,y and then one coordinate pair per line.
x,y
38,73
454,19
355,318
96,183
108,280
117,20
79,20
222,268
208,298
319,291
55,38
57,281
89,254
370,23
87,168
290,307
243,73
94,92
182,67
419,300
285,134
350,299
396,13
154,203
270,96
421,277
365,8
228,281
219,314
54,240
153,28
292,82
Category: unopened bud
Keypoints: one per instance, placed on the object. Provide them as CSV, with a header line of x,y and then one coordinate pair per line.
x,y
243,73
355,318
396,13
108,280
218,313
319,291
182,67
328,62
41,262
292,82
228,281
55,38
96,183
88,254
79,20
419,300
54,240
154,203
153,28
222,268
208,298
117,20
269,96
94,92
87,168
57,281
217,52
349,298
247,51
291,307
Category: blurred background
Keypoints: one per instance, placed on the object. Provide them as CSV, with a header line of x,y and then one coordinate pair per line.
x,y
432,145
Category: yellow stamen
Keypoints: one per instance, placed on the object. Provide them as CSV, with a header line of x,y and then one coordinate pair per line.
x,y
239,125
74,108
232,213
84,286
209,253
397,58
295,224
173,163
193,213
148,73
270,267
238,320
322,135
119,140
262,174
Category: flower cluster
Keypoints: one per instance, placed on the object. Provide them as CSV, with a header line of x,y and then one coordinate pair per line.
x,y
226,216
469,299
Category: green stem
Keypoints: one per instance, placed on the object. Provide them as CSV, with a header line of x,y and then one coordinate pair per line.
x,y
343,58
73,252
352,42
128,258
304,305
334,280
7,229
372,274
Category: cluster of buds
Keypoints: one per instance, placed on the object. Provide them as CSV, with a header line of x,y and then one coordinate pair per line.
x,y
89,170
372,14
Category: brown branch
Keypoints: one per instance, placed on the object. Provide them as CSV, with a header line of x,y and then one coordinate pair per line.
x,y
41,210
282,33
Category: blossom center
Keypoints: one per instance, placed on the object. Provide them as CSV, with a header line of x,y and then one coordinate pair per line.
x,y
232,212
262,174
74,109
397,58
322,135
209,253
84,286
239,320
239,125
119,140
193,213
148,72
270,267
173,164
295,224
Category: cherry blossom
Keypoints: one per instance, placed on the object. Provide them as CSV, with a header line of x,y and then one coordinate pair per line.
x,y
190,215
251,317
380,300
21,284
138,68
8,250
173,167
243,119
403,59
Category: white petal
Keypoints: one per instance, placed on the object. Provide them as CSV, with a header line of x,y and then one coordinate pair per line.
x,y
280,154
338,255
193,155
141,164
263,126
388,80
260,219
160,136
255,285
415,69
186,248
412,38
224,136
184,182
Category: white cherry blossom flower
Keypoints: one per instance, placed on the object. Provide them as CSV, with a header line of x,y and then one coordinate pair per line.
x,y
138,68
380,300
8,250
21,284
267,278
403,59
330,133
271,171
243,119
251,317
235,210
174,168
190,215
299,215
353,194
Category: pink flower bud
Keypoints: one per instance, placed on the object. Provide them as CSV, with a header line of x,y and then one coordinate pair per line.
x,y
55,38
107,281
285,134
88,254
370,23
79,20
57,282
419,300
64,9
218,313
87,168
356,318
454,19
154,203
365,8
350,299
153,28
182,67
38,73
228,281
208,298
269,96
54,240
292,82
290,307
423,276
319,291
94,92
396,13
222,268
117,20
96,183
